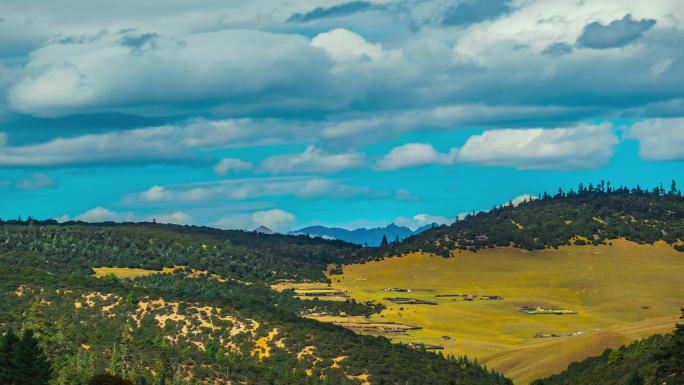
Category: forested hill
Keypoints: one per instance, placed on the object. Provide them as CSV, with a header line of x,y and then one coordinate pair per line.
x,y
79,246
654,360
180,329
589,215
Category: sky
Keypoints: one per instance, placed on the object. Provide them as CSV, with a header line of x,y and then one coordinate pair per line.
x,y
236,114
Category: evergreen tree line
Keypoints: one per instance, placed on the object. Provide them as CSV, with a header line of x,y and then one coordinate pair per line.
x,y
22,361
592,214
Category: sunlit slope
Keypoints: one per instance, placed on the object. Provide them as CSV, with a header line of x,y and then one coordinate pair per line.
x,y
620,292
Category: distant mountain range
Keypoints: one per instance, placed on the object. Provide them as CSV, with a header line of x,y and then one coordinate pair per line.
x,y
362,236
264,230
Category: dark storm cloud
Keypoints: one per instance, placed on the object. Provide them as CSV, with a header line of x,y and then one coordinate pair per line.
x,y
475,11
78,39
557,49
344,9
617,33
138,42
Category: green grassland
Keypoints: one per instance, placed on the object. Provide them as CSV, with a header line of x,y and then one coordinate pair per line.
x,y
621,292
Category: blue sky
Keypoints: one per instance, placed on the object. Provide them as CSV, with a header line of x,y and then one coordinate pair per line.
x,y
352,113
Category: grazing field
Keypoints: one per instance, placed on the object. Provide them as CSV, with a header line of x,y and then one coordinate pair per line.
x,y
128,272
311,290
526,313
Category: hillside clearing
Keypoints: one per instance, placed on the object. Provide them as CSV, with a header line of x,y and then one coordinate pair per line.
x,y
620,293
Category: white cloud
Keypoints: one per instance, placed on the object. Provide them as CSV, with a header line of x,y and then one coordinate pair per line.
x,y
169,142
101,214
659,139
405,195
180,141
177,217
227,165
522,198
324,188
249,188
63,218
154,194
420,220
275,219
311,160
33,182
62,78
414,154
234,190
582,146
342,44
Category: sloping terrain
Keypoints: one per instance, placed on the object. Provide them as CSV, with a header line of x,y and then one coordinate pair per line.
x,y
613,294
591,215
77,246
190,326
655,360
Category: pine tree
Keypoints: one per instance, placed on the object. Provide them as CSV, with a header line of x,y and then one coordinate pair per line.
x,y
108,379
8,370
671,357
635,378
384,242
32,365
117,362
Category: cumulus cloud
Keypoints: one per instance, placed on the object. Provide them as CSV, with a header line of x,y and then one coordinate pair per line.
x,y
227,165
617,33
102,214
275,219
33,182
155,194
659,139
343,45
176,217
468,12
206,68
180,142
420,220
311,160
414,154
522,198
582,146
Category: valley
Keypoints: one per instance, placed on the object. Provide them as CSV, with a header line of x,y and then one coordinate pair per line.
x,y
620,292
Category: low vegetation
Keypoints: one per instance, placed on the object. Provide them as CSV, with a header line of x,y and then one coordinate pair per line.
x,y
177,329
654,360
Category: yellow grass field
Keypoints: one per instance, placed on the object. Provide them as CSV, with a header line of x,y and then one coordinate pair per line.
x,y
620,292
308,290
129,273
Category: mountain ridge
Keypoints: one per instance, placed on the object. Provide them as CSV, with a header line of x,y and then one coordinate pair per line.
x,y
363,235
